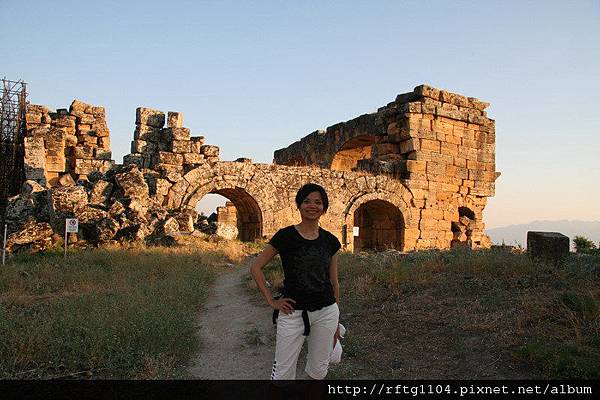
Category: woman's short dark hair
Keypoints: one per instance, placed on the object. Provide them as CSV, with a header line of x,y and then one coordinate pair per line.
x,y
308,189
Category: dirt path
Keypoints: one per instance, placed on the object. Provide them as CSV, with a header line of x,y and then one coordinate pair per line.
x,y
236,332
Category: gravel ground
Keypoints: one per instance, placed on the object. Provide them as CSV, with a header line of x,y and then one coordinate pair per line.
x,y
236,332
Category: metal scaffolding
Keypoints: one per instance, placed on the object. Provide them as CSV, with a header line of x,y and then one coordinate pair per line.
x,y
13,108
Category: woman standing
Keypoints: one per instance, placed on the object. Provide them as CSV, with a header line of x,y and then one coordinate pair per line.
x,y
310,297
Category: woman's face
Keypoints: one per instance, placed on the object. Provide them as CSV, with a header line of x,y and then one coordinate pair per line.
x,y
311,207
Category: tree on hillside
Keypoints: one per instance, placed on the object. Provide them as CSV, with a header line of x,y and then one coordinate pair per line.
x,y
583,245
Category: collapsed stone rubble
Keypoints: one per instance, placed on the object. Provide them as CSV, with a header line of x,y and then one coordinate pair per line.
x,y
70,175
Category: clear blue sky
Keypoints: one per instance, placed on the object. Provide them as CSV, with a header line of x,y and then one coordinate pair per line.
x,y
253,77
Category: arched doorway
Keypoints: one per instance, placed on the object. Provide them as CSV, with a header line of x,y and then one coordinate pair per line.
x,y
240,217
355,149
380,227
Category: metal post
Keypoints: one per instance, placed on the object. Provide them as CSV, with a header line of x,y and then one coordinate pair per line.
x,y
65,255
4,245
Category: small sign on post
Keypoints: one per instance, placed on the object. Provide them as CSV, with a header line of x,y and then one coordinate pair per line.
x,y
71,225
355,231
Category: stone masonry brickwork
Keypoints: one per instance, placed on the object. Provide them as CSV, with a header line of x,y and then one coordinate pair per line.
x,y
440,145
416,174
64,146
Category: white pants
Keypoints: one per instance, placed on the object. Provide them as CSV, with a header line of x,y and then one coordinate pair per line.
x,y
290,327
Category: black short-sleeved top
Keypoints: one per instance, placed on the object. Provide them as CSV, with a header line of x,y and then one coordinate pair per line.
x,y
306,267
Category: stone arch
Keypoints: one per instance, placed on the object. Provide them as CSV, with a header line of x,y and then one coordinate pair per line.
x,y
392,205
347,157
249,213
381,226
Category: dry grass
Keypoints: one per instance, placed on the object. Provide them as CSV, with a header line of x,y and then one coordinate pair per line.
x,y
107,313
463,314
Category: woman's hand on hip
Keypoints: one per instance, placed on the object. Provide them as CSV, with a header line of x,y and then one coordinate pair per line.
x,y
284,305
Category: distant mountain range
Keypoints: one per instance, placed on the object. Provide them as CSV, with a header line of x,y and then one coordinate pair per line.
x,y
517,234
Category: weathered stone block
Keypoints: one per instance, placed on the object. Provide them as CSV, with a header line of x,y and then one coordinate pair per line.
x,y
196,144
379,149
100,192
165,157
66,121
482,189
116,209
549,246
79,106
65,201
178,133
100,128
66,180
193,158
104,142
180,146
138,146
102,154
88,139
70,141
174,119
170,225
409,145
86,119
30,188
185,221
148,116
430,145
35,158
411,107
427,91
35,235
55,163
449,148
162,186
84,152
132,183
209,151
98,112
86,167
20,209
133,159
146,133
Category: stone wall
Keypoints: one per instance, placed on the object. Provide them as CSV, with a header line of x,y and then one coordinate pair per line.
x,y
227,221
414,175
441,145
67,145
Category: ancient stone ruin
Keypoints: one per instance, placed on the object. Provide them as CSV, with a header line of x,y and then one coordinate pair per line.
x,y
416,174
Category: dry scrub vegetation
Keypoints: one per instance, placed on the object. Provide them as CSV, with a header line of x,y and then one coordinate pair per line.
x,y
107,313
464,314
132,313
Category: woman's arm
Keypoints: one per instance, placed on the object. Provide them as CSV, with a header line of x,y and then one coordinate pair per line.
x,y
284,304
333,276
